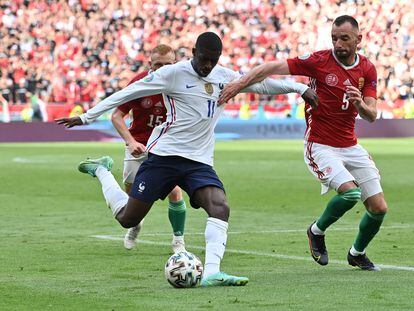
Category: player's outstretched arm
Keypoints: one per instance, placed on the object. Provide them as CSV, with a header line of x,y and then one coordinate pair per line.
x,y
69,122
255,75
275,87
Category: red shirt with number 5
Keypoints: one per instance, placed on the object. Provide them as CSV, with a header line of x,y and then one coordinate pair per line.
x,y
333,122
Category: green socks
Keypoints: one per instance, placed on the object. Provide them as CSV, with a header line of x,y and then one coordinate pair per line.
x,y
338,206
368,228
176,214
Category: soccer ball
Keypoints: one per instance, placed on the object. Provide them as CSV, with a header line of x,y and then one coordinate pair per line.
x,y
184,270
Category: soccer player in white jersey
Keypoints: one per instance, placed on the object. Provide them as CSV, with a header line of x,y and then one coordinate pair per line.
x,y
180,151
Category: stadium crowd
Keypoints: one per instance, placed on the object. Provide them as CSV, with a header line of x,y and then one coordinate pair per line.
x,y
80,51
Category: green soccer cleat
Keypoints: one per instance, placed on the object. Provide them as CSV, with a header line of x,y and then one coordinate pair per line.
x,y
223,279
89,166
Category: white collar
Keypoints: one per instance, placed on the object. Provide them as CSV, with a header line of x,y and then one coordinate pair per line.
x,y
344,66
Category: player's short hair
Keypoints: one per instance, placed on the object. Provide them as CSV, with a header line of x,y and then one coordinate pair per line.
x,y
209,41
162,49
340,20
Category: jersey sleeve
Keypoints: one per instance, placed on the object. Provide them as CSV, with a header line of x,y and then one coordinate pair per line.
x,y
127,107
370,85
305,65
270,86
154,83
274,87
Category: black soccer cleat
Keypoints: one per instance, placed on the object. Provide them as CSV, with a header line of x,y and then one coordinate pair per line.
x,y
317,247
362,262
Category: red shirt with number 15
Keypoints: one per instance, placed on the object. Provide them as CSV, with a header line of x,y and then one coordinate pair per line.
x,y
147,113
333,122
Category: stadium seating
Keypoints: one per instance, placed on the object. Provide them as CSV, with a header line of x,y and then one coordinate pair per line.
x,y
78,52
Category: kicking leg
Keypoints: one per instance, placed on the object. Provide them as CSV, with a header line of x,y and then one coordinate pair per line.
x,y
213,200
123,207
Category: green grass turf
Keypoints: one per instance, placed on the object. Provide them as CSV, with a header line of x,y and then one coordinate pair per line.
x,y
50,261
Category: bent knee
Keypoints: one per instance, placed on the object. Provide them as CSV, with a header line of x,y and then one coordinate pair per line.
x,y
379,208
175,195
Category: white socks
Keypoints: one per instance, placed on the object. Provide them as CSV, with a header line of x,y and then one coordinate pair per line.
x,y
315,230
354,252
216,237
114,196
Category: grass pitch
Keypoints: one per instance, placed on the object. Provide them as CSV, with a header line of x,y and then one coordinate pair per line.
x,y
61,249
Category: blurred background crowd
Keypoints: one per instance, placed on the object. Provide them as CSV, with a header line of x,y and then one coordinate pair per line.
x,y
77,52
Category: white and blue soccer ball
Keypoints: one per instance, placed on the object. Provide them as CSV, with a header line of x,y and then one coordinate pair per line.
x,y
184,270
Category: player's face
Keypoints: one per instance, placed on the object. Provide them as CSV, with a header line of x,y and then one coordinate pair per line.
x,y
345,39
158,60
204,61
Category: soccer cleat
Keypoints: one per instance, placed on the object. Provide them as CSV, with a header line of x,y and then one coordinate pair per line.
x,y
130,239
317,247
89,166
178,244
223,279
362,262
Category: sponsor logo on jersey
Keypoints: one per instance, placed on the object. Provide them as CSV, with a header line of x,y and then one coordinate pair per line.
x,y
146,103
148,78
331,79
347,82
304,57
188,86
141,187
361,83
159,104
209,88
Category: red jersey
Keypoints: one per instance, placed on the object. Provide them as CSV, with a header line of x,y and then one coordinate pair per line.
x,y
333,122
147,113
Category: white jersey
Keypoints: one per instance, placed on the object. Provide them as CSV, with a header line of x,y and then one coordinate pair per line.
x,y
192,110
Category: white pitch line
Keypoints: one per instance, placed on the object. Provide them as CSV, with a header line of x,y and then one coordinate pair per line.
x,y
236,251
276,231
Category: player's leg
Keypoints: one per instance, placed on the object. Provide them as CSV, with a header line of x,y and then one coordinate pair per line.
x,y
131,166
127,210
326,165
176,214
206,190
368,178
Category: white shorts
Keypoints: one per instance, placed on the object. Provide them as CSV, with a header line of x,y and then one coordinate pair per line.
x,y
131,166
336,166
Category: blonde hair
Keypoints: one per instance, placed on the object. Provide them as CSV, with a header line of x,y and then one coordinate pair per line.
x,y
162,49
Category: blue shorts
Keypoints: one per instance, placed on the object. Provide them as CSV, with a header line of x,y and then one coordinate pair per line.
x,y
158,175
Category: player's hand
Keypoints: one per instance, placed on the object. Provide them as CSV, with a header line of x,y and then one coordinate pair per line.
x,y
69,122
136,148
311,98
229,91
354,95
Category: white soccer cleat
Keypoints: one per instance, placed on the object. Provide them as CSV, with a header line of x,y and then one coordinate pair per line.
x,y
178,244
130,239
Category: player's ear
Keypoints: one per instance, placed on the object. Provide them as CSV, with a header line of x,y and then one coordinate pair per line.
x,y
359,39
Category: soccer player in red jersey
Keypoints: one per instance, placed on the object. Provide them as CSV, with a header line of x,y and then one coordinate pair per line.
x,y
345,82
147,113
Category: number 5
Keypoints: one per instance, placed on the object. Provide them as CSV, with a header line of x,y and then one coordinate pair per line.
x,y
345,101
